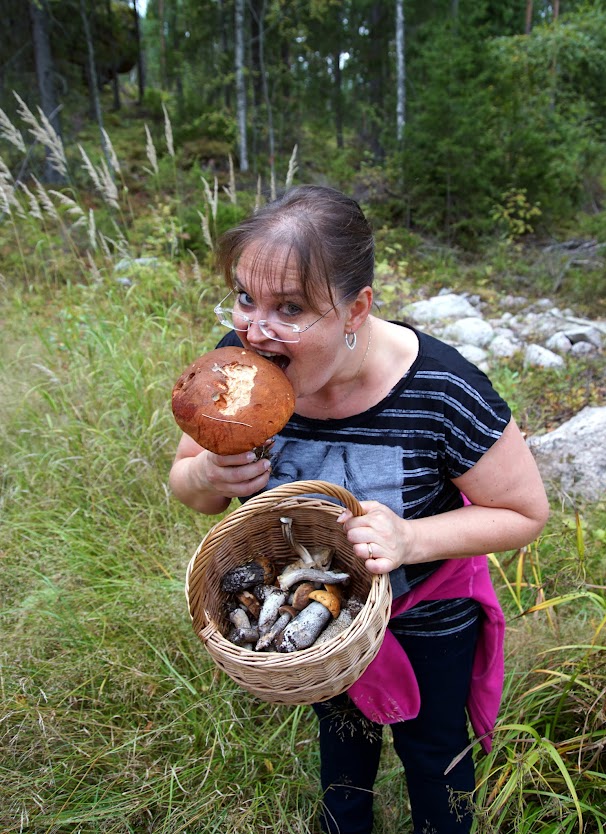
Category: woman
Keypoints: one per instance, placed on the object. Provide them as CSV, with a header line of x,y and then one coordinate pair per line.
x,y
409,427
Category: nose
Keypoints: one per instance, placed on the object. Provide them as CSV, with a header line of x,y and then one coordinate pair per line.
x,y
255,335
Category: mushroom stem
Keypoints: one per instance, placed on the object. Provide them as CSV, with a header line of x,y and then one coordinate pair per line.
x,y
299,549
302,631
269,610
286,613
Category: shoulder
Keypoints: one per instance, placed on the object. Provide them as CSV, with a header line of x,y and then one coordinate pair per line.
x,y
445,381
230,339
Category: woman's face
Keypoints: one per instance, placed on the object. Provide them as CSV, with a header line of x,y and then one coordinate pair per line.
x,y
270,288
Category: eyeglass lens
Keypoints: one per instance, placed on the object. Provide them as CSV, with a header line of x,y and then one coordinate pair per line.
x,y
277,330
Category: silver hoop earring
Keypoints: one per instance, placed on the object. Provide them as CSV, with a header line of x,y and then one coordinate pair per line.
x,y
350,340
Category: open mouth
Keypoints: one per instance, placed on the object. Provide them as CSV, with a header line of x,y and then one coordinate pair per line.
x,y
277,358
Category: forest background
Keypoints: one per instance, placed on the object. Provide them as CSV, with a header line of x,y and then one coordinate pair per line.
x,y
474,135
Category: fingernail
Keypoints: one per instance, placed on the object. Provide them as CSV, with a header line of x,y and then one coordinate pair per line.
x,y
250,457
266,464
341,518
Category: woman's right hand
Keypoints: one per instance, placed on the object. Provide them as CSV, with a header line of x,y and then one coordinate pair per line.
x,y
207,482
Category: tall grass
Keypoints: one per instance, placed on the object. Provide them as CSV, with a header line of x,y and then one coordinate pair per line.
x,y
113,718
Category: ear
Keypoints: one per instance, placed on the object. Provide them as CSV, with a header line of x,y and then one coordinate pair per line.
x,y
359,310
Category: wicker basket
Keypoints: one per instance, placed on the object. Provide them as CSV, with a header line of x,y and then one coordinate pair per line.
x,y
309,675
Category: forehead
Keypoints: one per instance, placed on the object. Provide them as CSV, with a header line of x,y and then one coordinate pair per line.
x,y
275,269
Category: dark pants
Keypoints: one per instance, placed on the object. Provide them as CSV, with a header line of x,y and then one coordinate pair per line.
x,y
350,745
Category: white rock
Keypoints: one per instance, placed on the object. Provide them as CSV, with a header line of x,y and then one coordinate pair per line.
x,y
503,347
539,326
572,458
539,357
583,349
447,306
505,331
470,331
584,334
513,301
474,354
559,342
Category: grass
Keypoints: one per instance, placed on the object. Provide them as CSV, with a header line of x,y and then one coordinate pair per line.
x,y
113,718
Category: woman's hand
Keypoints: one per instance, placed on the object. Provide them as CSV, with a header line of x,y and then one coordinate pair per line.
x,y
207,482
379,537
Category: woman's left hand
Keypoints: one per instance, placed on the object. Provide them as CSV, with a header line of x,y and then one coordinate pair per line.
x,y
378,537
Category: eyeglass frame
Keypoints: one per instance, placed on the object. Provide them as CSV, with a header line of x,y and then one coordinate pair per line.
x,y
262,323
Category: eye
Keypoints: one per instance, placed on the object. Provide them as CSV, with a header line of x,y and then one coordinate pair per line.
x,y
289,310
244,299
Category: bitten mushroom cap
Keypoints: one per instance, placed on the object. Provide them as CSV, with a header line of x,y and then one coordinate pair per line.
x,y
329,599
231,400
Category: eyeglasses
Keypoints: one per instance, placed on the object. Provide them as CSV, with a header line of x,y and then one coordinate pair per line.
x,y
279,331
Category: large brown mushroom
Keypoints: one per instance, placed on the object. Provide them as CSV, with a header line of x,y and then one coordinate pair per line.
x,y
231,400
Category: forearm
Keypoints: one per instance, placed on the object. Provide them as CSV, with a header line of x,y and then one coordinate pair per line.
x,y
187,487
468,531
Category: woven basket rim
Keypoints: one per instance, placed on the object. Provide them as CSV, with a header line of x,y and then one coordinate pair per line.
x,y
366,630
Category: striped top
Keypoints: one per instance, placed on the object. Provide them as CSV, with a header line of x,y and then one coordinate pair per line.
x,y
434,425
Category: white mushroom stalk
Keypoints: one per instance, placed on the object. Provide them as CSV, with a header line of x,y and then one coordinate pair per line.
x,y
301,551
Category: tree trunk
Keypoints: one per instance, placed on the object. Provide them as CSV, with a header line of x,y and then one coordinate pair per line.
x,y
400,72
256,86
92,75
556,9
162,21
267,100
225,29
376,59
45,74
240,84
338,98
115,79
528,24
140,67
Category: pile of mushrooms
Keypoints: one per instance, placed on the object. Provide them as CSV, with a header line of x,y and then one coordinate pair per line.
x,y
304,605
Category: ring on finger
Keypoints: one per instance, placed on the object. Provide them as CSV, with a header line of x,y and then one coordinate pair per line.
x,y
369,546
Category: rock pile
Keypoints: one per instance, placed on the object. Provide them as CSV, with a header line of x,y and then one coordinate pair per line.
x,y
542,332
572,458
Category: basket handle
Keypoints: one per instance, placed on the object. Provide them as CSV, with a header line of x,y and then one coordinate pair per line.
x,y
273,496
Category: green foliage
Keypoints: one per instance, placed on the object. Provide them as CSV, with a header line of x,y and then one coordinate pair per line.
x,y
153,100
514,214
212,125
114,719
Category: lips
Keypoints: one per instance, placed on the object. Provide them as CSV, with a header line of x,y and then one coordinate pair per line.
x,y
277,358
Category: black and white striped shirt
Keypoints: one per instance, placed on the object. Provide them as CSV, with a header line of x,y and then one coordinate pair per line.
x,y
434,425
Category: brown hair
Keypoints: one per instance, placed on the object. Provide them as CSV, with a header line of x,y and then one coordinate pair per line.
x,y
326,232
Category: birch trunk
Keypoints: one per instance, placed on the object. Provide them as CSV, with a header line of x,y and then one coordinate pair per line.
x,y
400,72
240,84
140,67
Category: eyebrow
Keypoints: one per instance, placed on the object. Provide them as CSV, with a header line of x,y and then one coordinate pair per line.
x,y
295,295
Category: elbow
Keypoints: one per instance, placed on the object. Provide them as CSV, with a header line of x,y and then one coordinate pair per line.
x,y
538,518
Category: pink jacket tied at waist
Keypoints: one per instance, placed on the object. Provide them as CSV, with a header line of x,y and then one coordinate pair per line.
x,y
387,691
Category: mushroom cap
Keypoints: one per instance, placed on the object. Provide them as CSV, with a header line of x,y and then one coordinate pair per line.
x,y
231,400
328,599
300,597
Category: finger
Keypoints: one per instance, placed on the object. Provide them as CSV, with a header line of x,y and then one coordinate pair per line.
x,y
233,460
378,566
245,488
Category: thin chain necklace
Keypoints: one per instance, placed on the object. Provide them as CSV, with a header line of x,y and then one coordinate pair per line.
x,y
354,380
